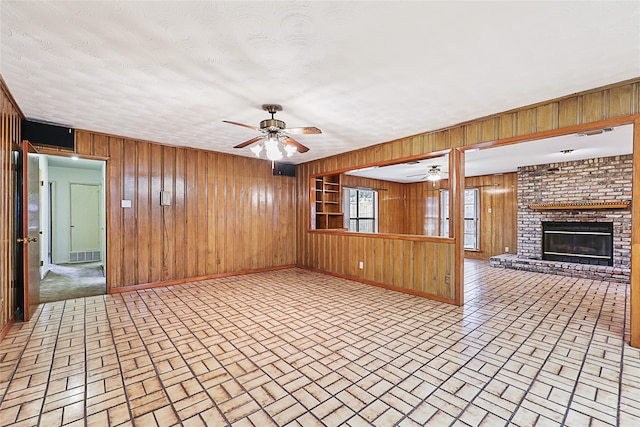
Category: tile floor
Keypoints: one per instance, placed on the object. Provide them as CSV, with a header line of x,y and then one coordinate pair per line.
x,y
297,348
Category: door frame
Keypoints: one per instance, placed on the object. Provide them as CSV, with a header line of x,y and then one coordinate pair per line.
x,y
105,199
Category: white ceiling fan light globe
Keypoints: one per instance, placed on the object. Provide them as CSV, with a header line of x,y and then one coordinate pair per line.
x,y
290,149
256,149
274,153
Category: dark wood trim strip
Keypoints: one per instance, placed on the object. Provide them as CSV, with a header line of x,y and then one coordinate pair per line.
x,y
195,279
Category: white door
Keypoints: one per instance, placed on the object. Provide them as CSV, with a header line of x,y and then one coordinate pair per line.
x,y
85,217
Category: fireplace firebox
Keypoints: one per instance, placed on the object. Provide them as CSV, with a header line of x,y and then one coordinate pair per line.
x,y
578,242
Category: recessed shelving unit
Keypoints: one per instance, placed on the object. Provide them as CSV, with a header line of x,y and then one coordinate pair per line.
x,y
328,202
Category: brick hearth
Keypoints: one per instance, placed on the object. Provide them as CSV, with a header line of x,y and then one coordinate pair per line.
x,y
596,272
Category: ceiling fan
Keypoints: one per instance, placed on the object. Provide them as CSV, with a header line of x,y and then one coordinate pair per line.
x,y
276,135
432,175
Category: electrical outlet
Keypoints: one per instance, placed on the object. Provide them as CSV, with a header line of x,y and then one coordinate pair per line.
x,y
361,265
506,249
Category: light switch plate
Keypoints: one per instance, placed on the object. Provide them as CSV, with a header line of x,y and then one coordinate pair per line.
x,y
165,198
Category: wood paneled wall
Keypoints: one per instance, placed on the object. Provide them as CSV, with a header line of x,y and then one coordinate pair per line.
x,y
329,251
423,207
498,203
9,135
227,214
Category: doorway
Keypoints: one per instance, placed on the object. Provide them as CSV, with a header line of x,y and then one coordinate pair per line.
x,y
74,254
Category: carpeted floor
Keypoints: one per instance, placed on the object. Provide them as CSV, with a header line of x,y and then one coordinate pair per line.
x,y
68,281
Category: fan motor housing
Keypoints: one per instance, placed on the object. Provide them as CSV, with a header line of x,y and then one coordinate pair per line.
x,y
273,124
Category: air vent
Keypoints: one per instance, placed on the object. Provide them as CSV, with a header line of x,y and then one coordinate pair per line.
x,y
84,256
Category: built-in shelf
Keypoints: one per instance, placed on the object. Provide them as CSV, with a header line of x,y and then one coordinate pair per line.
x,y
328,204
581,206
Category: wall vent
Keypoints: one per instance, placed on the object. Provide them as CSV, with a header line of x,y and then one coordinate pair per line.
x,y
84,256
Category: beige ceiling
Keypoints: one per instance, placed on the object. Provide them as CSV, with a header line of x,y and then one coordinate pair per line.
x,y
363,72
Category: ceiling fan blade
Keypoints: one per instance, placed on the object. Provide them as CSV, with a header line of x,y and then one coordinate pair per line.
x,y
416,174
243,125
288,140
310,130
249,142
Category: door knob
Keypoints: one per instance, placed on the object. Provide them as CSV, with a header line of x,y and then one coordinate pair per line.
x,y
27,240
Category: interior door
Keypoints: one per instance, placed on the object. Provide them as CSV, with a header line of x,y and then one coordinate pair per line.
x,y
85,217
29,218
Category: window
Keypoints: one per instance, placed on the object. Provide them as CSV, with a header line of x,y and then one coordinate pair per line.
x,y
361,210
471,219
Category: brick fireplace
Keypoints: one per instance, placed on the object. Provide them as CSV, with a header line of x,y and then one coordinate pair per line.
x,y
584,191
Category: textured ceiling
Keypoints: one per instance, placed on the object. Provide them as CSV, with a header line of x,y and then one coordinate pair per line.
x,y
363,72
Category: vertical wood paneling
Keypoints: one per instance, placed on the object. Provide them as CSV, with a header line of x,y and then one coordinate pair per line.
x,y
141,204
10,122
83,143
169,214
227,213
212,237
546,117
191,209
202,192
129,225
621,101
592,107
568,112
156,247
180,236
507,125
115,244
498,218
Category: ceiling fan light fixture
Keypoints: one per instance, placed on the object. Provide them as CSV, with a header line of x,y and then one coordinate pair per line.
x,y
434,174
272,147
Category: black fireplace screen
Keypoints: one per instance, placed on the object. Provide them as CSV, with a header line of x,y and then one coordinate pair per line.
x,y
578,242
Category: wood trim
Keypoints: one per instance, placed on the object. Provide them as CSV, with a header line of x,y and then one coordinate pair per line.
x,y
381,285
406,159
568,130
195,279
635,241
391,236
456,209
582,206
6,328
9,97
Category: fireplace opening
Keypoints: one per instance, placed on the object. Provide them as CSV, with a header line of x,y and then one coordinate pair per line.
x,y
578,242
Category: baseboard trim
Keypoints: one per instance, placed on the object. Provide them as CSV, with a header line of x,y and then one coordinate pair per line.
x,y
382,285
6,328
163,283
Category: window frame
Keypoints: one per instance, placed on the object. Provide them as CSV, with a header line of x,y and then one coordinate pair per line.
x,y
347,209
444,217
